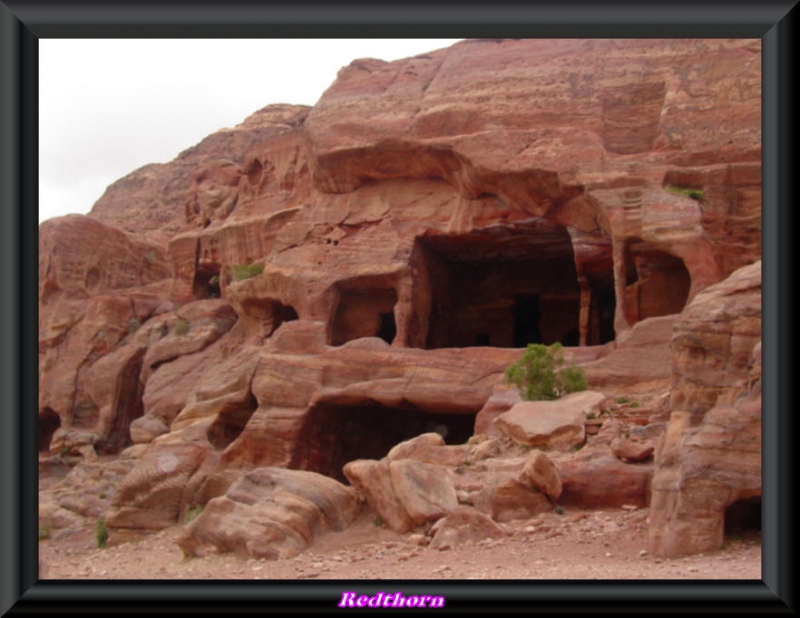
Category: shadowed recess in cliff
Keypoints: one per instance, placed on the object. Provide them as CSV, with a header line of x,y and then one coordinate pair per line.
x,y
231,423
333,435
49,421
503,286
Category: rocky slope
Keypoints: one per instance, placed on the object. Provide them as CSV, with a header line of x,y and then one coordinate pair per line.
x,y
253,329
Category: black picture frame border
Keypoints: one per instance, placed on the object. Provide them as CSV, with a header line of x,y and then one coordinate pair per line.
x,y
23,23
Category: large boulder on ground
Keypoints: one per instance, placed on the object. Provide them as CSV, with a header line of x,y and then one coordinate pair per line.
x,y
463,526
511,499
541,473
271,513
556,424
405,493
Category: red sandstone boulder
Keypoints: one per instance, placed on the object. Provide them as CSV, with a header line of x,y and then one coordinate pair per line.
x,y
556,424
404,492
541,473
465,525
710,454
271,513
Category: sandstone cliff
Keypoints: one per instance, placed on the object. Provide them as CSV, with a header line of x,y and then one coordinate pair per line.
x,y
317,285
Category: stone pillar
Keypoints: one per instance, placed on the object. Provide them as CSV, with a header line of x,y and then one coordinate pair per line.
x,y
586,304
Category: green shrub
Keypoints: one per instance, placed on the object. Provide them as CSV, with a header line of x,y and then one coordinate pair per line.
x,y
133,325
540,374
623,400
101,533
181,327
44,531
695,194
192,513
559,510
241,272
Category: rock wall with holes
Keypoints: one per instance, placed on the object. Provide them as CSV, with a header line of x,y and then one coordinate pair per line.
x,y
376,261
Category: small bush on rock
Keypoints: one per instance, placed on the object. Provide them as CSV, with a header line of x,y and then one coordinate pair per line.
x,y
101,533
541,375
241,272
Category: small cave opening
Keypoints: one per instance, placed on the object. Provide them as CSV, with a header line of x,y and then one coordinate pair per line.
x,y
49,422
743,518
333,435
388,327
283,313
231,423
507,286
270,314
364,312
657,283
207,282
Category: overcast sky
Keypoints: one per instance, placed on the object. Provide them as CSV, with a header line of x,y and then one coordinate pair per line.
x,y
110,106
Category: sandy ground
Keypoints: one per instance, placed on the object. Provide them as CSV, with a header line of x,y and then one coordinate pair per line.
x,y
573,545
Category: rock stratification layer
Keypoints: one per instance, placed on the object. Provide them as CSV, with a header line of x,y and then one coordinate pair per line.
x,y
317,285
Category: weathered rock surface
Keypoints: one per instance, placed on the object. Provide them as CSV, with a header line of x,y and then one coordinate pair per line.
x,y
462,526
709,459
315,286
556,424
154,197
271,513
541,473
405,493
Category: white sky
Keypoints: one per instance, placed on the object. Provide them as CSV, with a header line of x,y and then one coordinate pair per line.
x,y
110,106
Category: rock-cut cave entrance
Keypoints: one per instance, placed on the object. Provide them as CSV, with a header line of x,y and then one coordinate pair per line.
x,y
49,421
333,435
656,283
506,287
743,517
365,308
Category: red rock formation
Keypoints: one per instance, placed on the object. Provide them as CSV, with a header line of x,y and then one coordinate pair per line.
x,y
314,286
710,456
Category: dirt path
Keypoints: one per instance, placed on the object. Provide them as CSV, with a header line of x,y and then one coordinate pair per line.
x,y
573,545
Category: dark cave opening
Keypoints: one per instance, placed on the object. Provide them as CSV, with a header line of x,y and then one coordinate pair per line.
x,y
388,328
206,282
657,283
506,286
231,423
49,421
334,435
283,313
364,312
743,517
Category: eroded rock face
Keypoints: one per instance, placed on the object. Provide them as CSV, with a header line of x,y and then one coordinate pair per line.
x,y
271,513
710,454
315,286
551,424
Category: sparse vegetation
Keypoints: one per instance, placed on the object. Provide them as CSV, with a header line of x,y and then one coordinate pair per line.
x,y
134,324
102,496
44,531
695,194
150,257
378,521
591,416
559,510
181,327
192,513
635,404
540,375
623,400
101,533
240,272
